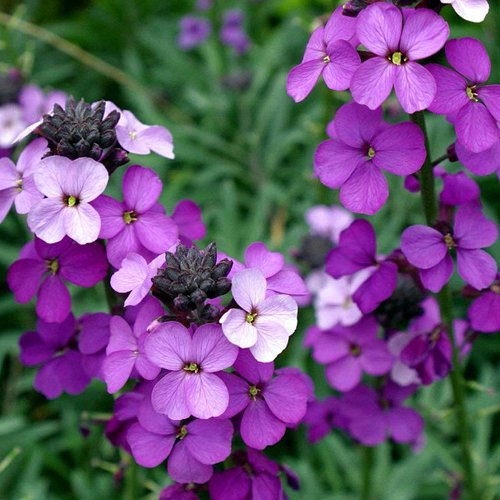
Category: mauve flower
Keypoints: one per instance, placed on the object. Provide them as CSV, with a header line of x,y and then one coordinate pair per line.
x,y
233,33
373,416
187,215
397,41
264,324
458,189
125,356
348,351
36,103
328,221
16,181
42,268
356,251
192,387
178,492
322,416
484,312
268,405
331,53
191,447
401,373
193,32
364,146
484,163
470,10
70,186
11,124
429,250
135,225
474,107
62,367
254,477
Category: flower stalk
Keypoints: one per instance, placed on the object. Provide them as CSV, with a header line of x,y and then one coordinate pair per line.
x,y
367,454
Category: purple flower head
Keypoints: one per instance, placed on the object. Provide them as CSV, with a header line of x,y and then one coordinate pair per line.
x,y
328,221
350,351
193,32
373,416
401,373
233,33
187,216
263,324
35,103
203,4
191,448
458,189
484,163
254,477
16,181
429,350
268,405
322,416
11,124
429,250
470,10
136,225
42,269
193,386
330,53
365,145
356,251
484,312
62,367
398,40
475,107
70,186
125,356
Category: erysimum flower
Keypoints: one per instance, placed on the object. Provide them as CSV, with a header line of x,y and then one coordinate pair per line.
x,y
398,42
16,181
193,32
475,108
192,386
484,163
69,186
365,145
484,312
42,269
471,10
322,416
264,323
331,53
136,225
268,405
429,250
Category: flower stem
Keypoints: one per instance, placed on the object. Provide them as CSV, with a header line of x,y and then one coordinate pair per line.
x,y
367,472
446,309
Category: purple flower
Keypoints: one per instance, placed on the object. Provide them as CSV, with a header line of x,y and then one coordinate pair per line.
x,y
401,373
191,448
357,250
458,189
69,186
136,225
350,351
35,103
125,356
429,351
62,367
178,492
474,107
11,124
254,477
470,10
328,221
233,33
263,323
187,216
192,387
16,181
268,405
397,41
330,53
429,250
364,146
484,163
42,269
484,312
322,416
193,32
373,416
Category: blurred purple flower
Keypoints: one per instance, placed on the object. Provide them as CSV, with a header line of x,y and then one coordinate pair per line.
x,y
193,32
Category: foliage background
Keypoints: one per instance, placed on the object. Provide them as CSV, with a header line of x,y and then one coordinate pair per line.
x,y
245,156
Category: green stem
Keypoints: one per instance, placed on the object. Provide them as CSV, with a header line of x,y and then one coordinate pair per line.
x,y
367,472
131,486
446,310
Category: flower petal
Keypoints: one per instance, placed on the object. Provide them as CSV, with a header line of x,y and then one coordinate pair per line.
x,y
237,329
281,309
470,58
206,395
54,301
46,220
476,267
259,427
82,223
434,278
169,346
248,288
169,395
476,128
184,468
415,86
149,449
303,77
211,349
141,188
423,246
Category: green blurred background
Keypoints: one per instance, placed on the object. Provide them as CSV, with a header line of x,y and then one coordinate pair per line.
x,y
244,154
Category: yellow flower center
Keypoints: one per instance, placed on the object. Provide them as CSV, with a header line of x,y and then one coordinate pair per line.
x,y
253,391
71,201
191,367
19,183
129,217
397,58
133,134
182,432
326,59
471,93
450,242
250,317
371,153
52,266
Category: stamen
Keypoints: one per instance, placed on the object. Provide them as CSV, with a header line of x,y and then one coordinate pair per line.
x,y
326,59
250,317
133,134
253,390
397,58
355,350
450,242
471,93
19,183
71,201
182,432
129,217
52,266
371,153
191,367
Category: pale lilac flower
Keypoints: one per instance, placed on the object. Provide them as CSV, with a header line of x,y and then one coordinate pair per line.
x,y
263,324
11,124
328,221
398,42
429,250
134,276
192,386
16,181
36,103
135,225
474,107
470,10
350,351
330,53
365,146
70,186
193,32
401,373
125,356
42,269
